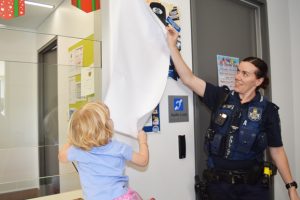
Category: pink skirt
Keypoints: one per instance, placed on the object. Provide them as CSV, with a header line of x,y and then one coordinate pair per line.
x,y
130,195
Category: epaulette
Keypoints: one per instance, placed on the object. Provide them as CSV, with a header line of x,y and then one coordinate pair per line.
x,y
274,105
226,89
224,97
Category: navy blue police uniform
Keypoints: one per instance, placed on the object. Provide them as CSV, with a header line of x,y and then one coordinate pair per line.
x,y
235,143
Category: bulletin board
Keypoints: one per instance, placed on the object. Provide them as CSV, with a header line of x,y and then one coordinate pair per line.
x,y
81,73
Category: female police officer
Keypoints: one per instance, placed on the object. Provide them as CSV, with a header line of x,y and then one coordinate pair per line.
x,y
243,125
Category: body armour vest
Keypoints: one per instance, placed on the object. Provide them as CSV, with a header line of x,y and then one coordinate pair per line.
x,y
236,131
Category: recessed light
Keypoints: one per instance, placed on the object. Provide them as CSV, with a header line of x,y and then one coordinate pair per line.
x,y
39,4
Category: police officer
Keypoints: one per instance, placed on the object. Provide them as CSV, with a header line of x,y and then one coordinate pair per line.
x,y
243,125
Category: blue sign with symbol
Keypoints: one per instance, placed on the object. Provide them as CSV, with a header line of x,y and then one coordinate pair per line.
x,y
178,109
178,104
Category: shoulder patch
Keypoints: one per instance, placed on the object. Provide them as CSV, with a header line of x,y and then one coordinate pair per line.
x,y
254,113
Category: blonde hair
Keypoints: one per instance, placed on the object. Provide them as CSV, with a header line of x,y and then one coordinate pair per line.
x,y
90,126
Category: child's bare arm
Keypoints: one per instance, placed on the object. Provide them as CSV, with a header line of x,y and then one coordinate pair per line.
x,y
141,158
63,153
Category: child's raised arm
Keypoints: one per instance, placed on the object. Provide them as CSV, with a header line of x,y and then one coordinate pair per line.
x,y
141,158
63,153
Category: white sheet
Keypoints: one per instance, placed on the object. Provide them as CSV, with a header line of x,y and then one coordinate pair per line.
x,y
139,62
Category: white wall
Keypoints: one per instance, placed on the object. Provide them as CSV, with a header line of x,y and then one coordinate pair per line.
x,y
18,128
167,176
284,34
69,22
70,25
294,6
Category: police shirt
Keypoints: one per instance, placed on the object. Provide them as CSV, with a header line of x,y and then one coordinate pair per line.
x,y
270,125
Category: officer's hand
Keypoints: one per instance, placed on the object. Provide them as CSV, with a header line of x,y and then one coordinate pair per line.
x,y
293,194
172,36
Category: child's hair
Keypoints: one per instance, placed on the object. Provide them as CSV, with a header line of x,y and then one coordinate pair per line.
x,y
90,126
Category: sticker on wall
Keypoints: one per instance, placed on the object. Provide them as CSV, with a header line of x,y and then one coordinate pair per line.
x,y
178,109
227,68
86,5
11,8
153,124
168,13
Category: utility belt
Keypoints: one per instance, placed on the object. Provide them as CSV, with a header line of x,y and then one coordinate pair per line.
x,y
260,173
228,176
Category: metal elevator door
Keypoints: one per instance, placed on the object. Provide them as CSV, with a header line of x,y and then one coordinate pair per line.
x,y
48,121
236,28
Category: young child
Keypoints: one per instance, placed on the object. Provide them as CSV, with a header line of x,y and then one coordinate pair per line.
x,y
101,159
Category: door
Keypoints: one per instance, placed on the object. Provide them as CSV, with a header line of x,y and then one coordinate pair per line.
x,y
223,27
48,120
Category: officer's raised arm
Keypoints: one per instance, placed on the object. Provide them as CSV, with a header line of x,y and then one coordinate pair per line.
x,y
186,75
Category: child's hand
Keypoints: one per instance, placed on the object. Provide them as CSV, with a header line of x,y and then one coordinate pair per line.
x,y
142,137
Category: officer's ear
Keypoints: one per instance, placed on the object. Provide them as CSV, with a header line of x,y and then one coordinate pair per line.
x,y
259,81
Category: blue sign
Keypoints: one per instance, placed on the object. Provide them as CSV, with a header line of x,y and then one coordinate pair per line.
x,y
178,104
178,109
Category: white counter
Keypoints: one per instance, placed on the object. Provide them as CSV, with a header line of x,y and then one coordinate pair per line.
x,y
72,195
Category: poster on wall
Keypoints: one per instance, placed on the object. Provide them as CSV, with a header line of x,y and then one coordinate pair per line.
x,y
153,124
227,68
87,81
163,11
81,73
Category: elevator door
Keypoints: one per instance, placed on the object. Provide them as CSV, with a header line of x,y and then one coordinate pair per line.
x,y
48,121
234,28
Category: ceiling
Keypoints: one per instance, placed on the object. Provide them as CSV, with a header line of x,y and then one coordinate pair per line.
x,y
34,15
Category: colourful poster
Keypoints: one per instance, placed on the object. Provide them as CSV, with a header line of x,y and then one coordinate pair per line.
x,y
153,124
227,68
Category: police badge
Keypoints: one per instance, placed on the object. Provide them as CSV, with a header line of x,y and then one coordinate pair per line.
x,y
254,113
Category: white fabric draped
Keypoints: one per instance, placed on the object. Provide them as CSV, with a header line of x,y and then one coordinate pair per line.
x,y
139,62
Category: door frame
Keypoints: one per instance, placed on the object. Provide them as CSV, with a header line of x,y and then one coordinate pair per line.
x,y
262,43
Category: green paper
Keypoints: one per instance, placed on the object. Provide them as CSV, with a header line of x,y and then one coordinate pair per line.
x,y
16,8
94,5
79,4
